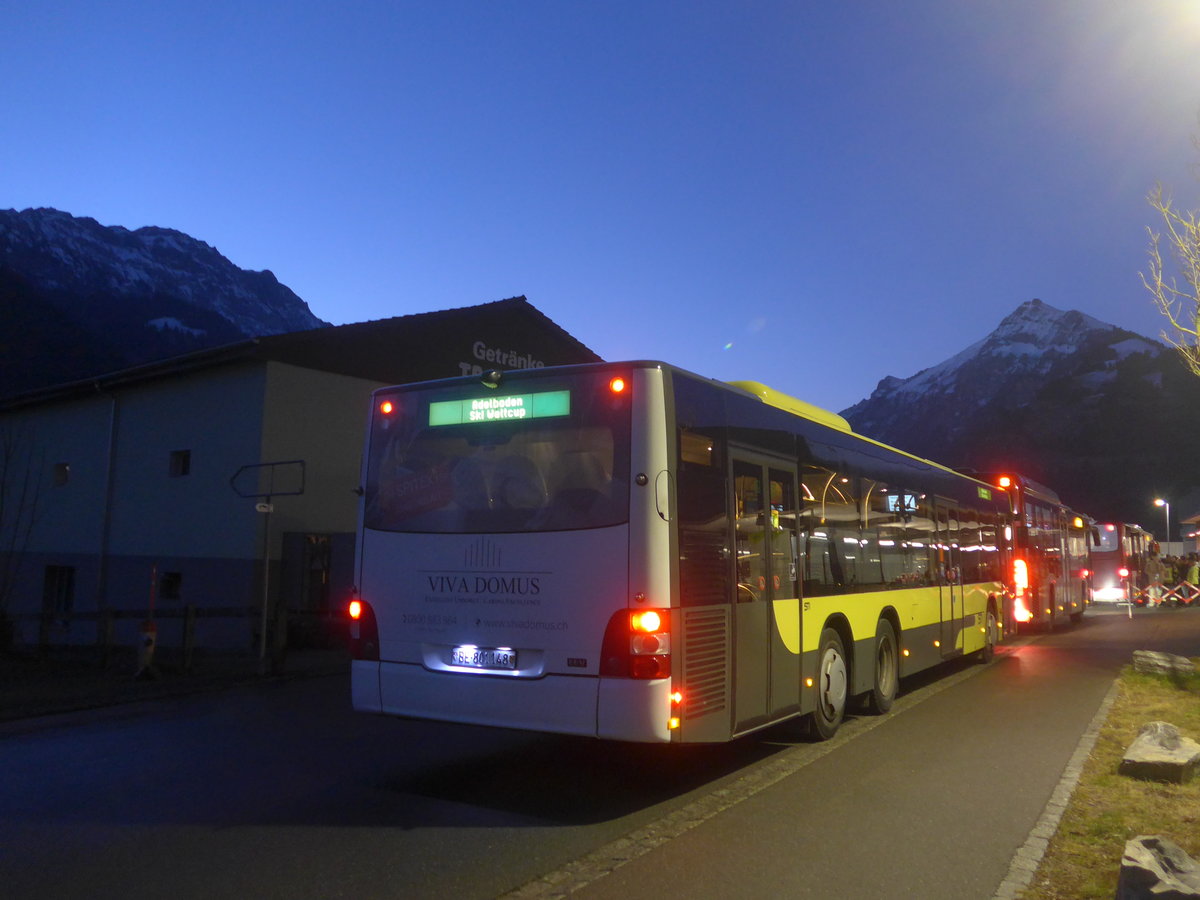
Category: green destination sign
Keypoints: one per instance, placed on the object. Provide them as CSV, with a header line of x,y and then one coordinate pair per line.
x,y
500,409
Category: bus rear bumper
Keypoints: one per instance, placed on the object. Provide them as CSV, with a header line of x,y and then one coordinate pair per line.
x,y
620,709
562,704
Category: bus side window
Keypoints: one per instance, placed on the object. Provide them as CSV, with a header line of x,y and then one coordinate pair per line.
x,y
830,516
704,557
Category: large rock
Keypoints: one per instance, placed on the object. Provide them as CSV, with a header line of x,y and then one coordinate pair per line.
x,y
1161,753
1152,662
1154,868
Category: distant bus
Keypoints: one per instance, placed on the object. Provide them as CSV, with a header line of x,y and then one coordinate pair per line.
x,y
1049,568
633,552
1119,562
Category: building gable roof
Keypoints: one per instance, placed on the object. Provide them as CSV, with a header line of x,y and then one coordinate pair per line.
x,y
505,334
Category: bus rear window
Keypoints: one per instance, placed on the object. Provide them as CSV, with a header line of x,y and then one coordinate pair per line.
x,y
551,454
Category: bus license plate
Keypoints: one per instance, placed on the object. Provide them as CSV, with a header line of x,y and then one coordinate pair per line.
x,y
483,658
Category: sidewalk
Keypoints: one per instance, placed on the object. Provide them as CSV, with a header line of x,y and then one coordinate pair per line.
x,y
69,680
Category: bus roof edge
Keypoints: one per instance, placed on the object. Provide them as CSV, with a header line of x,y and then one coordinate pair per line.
x,y
784,401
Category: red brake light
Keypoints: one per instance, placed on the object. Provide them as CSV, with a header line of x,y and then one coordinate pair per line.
x,y
1084,573
387,407
1020,577
364,630
1123,572
1004,481
646,621
617,385
637,644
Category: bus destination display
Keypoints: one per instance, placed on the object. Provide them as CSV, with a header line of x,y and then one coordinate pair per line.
x,y
499,409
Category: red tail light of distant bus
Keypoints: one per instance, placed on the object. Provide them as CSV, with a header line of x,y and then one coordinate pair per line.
x,y
1020,577
1020,580
1123,572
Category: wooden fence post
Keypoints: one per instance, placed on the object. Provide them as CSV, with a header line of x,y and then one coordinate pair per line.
x,y
105,629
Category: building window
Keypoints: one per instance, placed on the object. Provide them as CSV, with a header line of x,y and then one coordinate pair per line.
x,y
169,585
62,474
181,463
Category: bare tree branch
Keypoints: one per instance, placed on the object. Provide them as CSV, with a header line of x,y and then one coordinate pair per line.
x,y
1174,283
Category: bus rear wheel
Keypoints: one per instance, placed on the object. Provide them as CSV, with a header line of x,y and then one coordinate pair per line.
x,y
832,685
887,669
991,636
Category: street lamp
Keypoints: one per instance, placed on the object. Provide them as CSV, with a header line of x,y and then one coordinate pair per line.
x,y
1159,501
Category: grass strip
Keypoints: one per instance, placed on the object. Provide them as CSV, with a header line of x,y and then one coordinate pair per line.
x,y
1084,857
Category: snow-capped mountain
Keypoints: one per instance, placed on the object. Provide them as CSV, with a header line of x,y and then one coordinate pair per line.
x,y
78,298
1101,414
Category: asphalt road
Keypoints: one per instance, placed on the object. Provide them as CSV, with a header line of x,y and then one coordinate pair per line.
x,y
280,790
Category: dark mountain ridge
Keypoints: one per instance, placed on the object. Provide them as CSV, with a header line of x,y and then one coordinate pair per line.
x,y
1104,416
78,298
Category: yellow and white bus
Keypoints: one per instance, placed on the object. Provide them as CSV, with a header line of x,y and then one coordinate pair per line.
x,y
633,552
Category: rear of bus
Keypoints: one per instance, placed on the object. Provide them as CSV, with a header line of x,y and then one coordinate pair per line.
x,y
496,584
1111,575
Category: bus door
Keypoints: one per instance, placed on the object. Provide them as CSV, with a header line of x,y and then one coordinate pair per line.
x,y
948,566
766,667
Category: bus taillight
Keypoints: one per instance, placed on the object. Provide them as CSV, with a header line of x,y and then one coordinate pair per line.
x,y
1123,572
364,630
637,644
1020,612
1020,577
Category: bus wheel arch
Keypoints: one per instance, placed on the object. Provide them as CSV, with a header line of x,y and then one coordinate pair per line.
x,y
832,682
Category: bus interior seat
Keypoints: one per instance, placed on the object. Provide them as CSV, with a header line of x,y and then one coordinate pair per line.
x,y
471,490
579,480
519,484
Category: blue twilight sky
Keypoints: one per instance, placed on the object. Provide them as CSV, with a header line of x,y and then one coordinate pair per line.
x,y
811,194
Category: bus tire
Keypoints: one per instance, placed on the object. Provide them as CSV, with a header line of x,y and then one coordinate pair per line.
x,y
991,634
887,669
832,685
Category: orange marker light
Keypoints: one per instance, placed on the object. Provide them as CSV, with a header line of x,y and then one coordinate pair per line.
x,y
1004,481
355,609
386,407
617,385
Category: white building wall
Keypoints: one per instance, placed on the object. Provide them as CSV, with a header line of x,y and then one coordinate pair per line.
x,y
215,416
